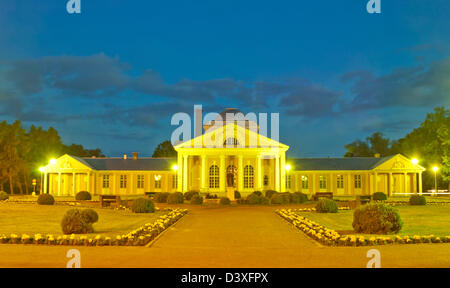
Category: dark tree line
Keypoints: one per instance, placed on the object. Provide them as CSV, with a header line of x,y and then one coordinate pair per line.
x,y
430,143
23,151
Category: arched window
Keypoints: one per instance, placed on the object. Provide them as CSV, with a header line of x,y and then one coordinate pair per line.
x,y
248,176
231,142
214,176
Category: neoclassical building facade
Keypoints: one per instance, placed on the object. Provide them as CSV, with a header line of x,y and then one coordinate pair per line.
x,y
230,157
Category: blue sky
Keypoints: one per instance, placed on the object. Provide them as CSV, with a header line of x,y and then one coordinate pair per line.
x,y
113,76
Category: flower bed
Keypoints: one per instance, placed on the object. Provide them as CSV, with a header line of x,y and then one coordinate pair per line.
x,y
138,237
330,237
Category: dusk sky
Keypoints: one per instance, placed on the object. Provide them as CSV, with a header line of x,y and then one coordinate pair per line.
x,y
113,76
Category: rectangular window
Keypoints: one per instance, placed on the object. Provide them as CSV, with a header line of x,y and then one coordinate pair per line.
x,y
105,181
357,181
323,182
288,181
266,180
140,181
123,181
158,181
305,184
174,181
340,181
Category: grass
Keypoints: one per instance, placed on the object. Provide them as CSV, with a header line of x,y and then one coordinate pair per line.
x,y
400,198
417,220
32,219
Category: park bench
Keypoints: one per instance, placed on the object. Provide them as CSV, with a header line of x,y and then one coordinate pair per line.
x,y
150,194
363,199
106,200
319,195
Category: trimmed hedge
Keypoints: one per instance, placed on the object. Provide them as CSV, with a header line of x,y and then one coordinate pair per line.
x,y
74,223
270,193
326,206
280,198
197,200
188,195
45,199
143,205
237,195
161,197
417,200
376,219
254,199
89,215
379,196
225,201
265,201
298,198
175,198
3,196
83,195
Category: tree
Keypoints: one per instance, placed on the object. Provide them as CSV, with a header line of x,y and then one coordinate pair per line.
x,y
164,149
375,144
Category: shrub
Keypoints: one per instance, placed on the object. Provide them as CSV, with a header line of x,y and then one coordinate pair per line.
x,y
211,196
298,198
253,199
379,196
326,206
175,198
3,196
197,200
46,199
417,200
265,200
376,219
280,198
225,201
161,197
143,205
259,193
83,195
237,195
89,215
269,193
73,223
188,195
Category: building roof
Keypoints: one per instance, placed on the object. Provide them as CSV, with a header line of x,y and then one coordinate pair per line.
x,y
350,163
140,164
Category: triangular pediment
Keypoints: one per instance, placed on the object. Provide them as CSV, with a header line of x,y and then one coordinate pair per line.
x,y
231,136
399,162
68,162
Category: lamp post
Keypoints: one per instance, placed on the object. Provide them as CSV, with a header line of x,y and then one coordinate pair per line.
x,y
435,169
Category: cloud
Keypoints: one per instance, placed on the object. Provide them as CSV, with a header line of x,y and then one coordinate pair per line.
x,y
427,86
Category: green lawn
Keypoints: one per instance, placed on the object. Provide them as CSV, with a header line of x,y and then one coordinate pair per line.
x,y
417,220
32,219
430,199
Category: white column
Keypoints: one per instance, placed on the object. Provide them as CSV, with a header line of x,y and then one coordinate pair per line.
x,y
420,182
375,182
391,184
73,183
59,183
180,173
240,173
88,189
259,185
203,174
277,173
283,171
45,191
185,173
405,181
223,175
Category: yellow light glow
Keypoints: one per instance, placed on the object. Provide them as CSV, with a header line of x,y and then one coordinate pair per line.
x,y
157,177
435,168
414,161
41,169
175,167
52,161
288,167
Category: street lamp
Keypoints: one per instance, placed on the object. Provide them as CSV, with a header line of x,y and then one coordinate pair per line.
x,y
435,169
52,161
415,161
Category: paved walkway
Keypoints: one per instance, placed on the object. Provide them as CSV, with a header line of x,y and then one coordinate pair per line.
x,y
229,237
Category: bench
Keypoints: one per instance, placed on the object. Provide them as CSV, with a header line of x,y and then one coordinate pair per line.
x,y
363,199
150,194
319,195
106,200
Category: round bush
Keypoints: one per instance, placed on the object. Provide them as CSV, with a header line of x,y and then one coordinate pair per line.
x,y
376,219
253,199
298,198
73,223
265,200
237,195
259,193
89,215
46,199
188,195
326,206
225,201
280,198
161,197
197,200
143,205
83,195
417,200
379,196
269,193
175,198
3,196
